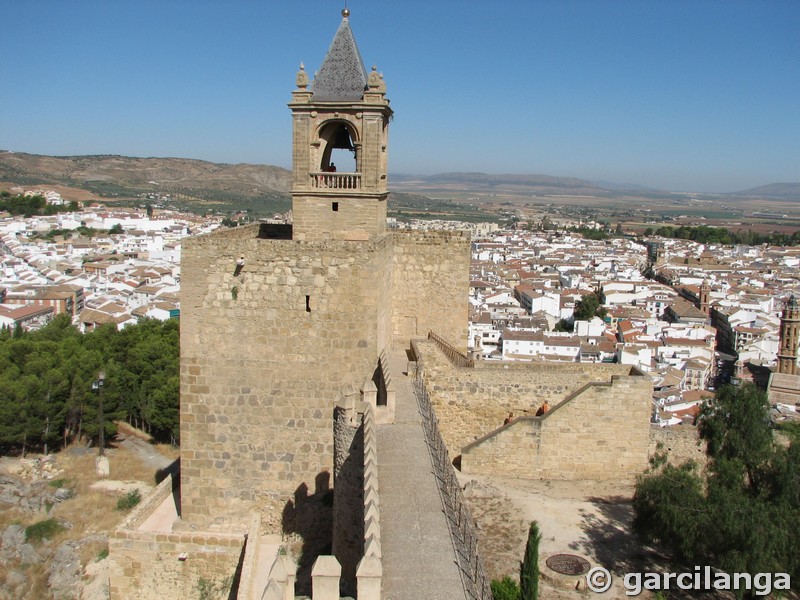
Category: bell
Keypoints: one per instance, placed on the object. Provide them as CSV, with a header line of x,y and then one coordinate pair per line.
x,y
342,139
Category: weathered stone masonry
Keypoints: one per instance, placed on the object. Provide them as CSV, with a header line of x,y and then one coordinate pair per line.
x,y
265,352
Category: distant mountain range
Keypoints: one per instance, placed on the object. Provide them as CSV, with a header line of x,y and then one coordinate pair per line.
x,y
122,176
780,191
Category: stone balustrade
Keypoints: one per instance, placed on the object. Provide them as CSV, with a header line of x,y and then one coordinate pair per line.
x,y
335,181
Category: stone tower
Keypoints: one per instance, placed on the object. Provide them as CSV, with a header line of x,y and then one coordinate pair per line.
x,y
278,320
790,335
705,291
343,109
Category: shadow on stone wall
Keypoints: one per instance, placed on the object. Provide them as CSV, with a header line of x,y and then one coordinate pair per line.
x,y
310,516
174,469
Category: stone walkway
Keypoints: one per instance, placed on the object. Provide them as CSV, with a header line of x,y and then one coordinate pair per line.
x,y
418,556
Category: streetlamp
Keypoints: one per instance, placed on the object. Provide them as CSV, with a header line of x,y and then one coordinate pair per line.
x,y
97,385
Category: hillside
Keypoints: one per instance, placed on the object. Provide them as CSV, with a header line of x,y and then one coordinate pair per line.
x,y
780,191
121,176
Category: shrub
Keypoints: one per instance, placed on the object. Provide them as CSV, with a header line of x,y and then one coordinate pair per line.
x,y
43,530
505,589
129,500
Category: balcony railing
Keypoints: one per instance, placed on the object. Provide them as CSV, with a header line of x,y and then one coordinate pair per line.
x,y
336,181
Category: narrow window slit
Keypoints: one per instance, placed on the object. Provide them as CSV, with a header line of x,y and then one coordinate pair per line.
x,y
335,206
308,303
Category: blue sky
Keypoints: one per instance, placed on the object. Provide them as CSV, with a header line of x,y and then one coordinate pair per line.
x,y
677,94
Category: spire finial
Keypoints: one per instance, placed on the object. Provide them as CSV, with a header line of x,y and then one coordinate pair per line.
x,y
345,11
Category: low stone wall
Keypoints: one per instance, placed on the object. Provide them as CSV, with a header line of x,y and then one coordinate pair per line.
x,y
601,431
458,359
680,442
250,561
145,508
150,565
472,401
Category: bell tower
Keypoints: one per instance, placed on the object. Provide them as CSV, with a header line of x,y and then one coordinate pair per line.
x,y
343,109
789,337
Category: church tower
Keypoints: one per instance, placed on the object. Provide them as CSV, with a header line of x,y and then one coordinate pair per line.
x,y
705,291
790,335
344,109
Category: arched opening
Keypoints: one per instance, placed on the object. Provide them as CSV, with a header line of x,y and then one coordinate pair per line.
x,y
339,153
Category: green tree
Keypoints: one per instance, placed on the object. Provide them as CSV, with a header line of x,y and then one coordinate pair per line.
x,y
743,512
46,383
529,569
589,306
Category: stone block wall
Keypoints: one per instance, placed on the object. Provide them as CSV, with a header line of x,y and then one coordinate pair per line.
x,y
349,217
600,432
263,355
431,285
150,565
473,401
680,442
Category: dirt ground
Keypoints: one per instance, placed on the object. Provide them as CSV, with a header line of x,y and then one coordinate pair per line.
x,y
585,518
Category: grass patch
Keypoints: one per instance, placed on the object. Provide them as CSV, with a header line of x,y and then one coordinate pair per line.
x,y
43,530
102,555
129,500
791,429
60,483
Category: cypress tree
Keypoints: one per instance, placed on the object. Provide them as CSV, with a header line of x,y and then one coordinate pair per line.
x,y
529,570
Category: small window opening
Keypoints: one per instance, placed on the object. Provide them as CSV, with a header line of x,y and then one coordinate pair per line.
x,y
308,303
335,206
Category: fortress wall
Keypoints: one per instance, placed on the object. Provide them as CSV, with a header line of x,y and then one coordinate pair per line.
x,y
263,354
471,402
146,565
600,432
313,217
681,443
431,285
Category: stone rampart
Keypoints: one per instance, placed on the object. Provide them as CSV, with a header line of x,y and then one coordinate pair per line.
x,y
456,358
600,431
474,580
473,401
431,285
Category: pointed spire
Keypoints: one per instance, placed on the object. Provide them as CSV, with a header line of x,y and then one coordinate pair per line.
x,y
342,75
